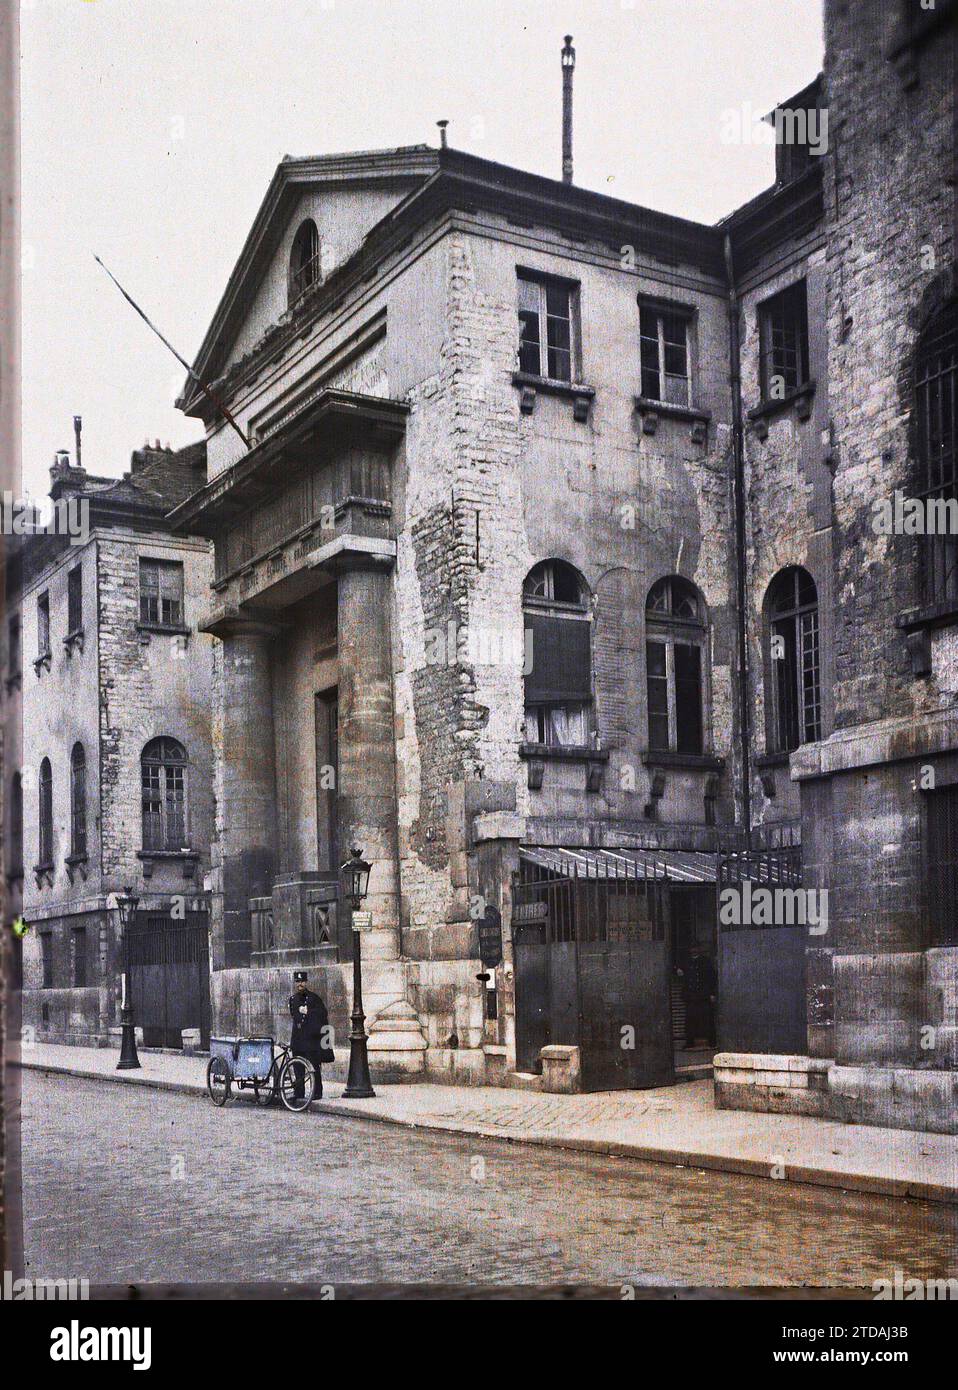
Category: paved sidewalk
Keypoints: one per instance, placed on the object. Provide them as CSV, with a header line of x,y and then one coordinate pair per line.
x,y
674,1124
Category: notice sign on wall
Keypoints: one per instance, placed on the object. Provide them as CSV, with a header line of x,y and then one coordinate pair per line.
x,y
490,938
362,921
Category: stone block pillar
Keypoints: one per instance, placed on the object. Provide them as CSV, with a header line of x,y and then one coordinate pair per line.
x,y
247,817
367,743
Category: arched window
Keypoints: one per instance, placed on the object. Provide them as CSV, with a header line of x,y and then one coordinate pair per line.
x,y
558,678
675,632
794,690
303,260
934,427
45,789
163,766
78,802
15,862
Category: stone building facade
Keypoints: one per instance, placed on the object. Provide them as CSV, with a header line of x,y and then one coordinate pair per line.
x,y
113,786
543,575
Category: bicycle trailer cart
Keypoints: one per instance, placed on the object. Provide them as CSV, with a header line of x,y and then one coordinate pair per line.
x,y
262,1065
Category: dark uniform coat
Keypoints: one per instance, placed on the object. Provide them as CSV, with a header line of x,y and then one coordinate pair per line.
x,y
309,1016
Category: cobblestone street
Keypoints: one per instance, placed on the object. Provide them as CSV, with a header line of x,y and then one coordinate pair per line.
x,y
132,1185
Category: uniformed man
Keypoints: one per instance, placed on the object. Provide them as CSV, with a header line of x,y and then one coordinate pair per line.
x,y
310,1020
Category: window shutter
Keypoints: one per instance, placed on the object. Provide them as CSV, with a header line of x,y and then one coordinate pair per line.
x,y
561,660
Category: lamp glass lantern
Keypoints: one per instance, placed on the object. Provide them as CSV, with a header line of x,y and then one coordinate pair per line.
x,y
355,877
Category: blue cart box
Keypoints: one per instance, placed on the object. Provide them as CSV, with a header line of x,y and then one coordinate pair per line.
x,y
247,1058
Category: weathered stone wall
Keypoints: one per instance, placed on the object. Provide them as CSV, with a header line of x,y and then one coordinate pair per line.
x,y
113,695
878,1004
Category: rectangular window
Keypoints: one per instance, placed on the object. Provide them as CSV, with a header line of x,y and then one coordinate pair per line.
x,y
74,600
78,957
546,327
783,335
664,355
941,807
674,680
161,593
46,960
43,625
164,807
13,647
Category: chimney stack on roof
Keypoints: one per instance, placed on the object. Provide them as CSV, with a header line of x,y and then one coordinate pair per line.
x,y
568,67
442,133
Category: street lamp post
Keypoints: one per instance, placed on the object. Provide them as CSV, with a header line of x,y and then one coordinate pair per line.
x,y
355,876
126,903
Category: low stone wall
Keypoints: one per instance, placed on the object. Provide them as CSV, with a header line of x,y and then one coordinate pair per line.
x,y
72,1017
925,1100
780,1084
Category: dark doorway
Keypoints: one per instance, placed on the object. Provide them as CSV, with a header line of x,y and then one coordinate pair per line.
x,y
694,975
762,967
327,781
591,960
170,976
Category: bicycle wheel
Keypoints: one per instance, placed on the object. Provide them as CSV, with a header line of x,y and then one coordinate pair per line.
x,y
265,1090
218,1081
291,1079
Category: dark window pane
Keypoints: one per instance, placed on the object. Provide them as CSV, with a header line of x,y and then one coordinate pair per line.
x,y
658,696
688,698
557,300
786,681
560,365
75,600
529,359
46,956
78,957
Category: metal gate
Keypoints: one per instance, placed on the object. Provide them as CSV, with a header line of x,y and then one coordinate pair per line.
x,y
170,976
591,955
761,962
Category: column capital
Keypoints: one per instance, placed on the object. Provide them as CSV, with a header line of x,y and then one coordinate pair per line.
x,y
354,552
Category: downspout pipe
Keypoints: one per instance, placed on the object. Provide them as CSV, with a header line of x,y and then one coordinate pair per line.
x,y
741,571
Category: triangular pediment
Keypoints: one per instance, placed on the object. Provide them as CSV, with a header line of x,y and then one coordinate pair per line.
x,y
346,196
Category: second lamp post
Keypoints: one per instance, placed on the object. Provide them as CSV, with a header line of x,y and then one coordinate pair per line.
x,y
355,877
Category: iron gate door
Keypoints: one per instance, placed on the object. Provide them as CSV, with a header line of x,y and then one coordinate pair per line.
x,y
761,968
592,969
170,977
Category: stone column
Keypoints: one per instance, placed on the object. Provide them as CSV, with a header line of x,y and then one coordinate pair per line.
x,y
247,812
367,743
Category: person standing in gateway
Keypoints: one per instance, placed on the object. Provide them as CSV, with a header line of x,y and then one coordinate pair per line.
x,y
309,1039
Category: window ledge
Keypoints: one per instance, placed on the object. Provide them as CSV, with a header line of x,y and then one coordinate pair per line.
x,y
164,629
73,639
706,762
14,682
44,874
570,752
580,395
800,398
778,759
648,405
77,864
931,615
44,660
188,858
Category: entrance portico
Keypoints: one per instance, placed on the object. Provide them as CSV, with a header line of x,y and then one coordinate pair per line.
x,y
305,706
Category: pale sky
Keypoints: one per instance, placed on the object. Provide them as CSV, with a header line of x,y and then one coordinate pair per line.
x,y
151,128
